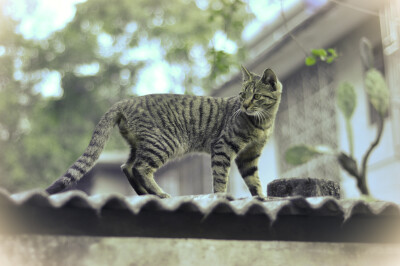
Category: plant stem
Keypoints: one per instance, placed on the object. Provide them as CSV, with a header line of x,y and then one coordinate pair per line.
x,y
350,137
362,182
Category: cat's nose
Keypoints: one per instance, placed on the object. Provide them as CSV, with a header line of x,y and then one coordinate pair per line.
x,y
245,105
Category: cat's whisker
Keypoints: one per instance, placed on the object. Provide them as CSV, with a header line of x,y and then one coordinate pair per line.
x,y
264,116
260,116
267,114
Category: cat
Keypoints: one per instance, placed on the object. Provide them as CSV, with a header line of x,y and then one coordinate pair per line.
x,y
160,127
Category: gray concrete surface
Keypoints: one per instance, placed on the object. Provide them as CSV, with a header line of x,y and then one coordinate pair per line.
x,y
35,250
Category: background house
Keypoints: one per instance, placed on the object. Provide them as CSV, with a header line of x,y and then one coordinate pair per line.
x,y
308,112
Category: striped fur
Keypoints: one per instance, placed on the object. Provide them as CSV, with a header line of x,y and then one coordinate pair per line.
x,y
161,127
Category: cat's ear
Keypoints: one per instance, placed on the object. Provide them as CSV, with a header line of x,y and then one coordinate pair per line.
x,y
269,78
246,74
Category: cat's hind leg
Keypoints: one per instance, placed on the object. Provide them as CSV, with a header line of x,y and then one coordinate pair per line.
x,y
127,170
143,173
148,159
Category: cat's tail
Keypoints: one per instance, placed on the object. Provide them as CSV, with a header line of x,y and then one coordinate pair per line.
x,y
87,160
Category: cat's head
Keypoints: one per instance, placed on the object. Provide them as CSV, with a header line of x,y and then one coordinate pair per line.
x,y
260,96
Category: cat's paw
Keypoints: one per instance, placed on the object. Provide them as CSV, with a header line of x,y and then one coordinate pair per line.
x,y
164,195
222,195
262,198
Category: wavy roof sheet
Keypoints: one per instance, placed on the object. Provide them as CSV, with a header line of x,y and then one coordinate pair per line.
x,y
203,216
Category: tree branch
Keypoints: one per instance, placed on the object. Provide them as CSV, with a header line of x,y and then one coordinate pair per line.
x,y
372,147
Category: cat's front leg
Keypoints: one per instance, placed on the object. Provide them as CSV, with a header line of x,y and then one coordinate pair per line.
x,y
221,156
247,162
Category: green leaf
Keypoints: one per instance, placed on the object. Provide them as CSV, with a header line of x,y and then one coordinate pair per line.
x,y
300,154
330,60
327,56
346,99
332,55
310,61
348,163
332,52
319,53
377,91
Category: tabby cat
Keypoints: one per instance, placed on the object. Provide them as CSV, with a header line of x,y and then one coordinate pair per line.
x,y
160,127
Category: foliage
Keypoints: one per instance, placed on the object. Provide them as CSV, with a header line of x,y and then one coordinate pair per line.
x,y
40,137
300,154
323,55
346,99
221,62
378,95
377,91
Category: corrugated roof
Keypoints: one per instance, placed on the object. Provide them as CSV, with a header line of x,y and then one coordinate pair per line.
x,y
193,216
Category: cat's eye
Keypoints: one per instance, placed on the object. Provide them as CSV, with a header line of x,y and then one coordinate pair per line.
x,y
257,96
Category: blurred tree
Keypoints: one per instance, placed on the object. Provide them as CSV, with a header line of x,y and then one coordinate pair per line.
x,y
96,57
